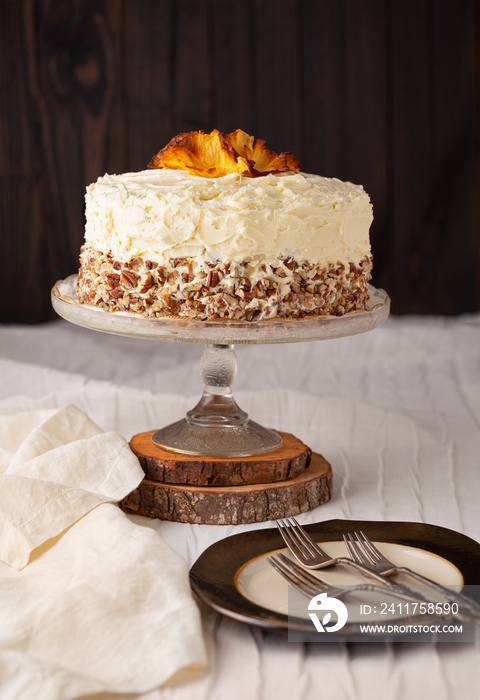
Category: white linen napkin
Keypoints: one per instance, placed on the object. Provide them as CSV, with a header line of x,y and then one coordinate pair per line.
x,y
90,601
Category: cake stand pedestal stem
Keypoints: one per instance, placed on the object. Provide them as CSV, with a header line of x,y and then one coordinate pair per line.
x,y
216,425
217,406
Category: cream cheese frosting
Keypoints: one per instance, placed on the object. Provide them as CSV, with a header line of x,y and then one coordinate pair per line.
x,y
163,214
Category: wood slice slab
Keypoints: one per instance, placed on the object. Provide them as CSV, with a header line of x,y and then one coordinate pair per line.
x,y
233,505
289,460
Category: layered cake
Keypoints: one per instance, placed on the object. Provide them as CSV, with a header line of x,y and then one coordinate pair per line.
x,y
216,227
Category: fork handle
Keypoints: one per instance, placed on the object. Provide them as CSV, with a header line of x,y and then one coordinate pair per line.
x,y
367,571
470,607
453,596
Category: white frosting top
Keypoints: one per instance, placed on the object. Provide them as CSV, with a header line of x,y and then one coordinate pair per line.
x,y
163,214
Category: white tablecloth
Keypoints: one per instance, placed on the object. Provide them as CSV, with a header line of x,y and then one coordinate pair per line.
x,y
396,411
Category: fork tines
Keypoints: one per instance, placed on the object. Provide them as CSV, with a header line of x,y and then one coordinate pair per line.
x,y
296,538
368,546
295,574
361,548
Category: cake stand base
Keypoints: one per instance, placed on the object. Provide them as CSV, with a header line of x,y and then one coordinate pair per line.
x,y
234,505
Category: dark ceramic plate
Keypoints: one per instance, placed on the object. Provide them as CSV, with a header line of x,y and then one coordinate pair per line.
x,y
218,576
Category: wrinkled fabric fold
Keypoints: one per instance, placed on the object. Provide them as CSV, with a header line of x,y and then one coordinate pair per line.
x,y
90,602
56,467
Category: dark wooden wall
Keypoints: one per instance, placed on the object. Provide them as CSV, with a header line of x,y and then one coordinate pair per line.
x,y
380,92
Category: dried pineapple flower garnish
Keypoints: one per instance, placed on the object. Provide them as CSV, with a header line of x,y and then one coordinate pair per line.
x,y
218,154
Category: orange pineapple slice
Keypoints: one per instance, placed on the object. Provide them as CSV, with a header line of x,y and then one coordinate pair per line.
x,y
218,154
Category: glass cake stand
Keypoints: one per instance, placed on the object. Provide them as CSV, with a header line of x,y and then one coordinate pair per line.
x,y
216,425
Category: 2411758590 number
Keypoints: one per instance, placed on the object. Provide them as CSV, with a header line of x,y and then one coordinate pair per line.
x,y
410,608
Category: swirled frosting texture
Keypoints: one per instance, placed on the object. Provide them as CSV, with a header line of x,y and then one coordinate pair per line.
x,y
163,214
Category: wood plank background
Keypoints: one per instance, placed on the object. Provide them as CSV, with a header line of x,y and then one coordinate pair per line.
x,y
380,92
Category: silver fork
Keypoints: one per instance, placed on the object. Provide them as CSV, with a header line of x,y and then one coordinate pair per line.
x,y
307,552
311,585
363,551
